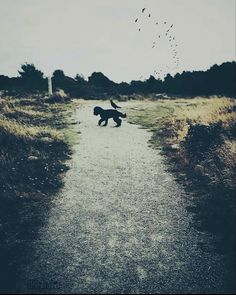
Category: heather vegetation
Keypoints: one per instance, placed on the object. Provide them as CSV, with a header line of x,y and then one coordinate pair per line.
x,y
35,142
197,137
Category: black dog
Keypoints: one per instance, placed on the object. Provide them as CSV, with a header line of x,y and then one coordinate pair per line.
x,y
107,114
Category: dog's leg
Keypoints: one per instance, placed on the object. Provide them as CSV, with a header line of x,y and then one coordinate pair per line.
x,y
100,122
105,124
118,121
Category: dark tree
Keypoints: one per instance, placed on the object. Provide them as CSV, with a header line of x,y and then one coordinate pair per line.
x,y
100,80
58,75
60,80
5,82
32,78
153,86
218,80
80,79
124,88
137,87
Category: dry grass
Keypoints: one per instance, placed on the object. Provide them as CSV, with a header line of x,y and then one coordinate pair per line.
x,y
175,116
171,120
28,119
27,111
198,138
33,142
33,148
200,111
12,128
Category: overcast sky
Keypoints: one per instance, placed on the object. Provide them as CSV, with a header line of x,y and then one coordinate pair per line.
x,y
83,36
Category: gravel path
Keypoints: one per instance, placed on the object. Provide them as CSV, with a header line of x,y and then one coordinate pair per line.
x,y
120,224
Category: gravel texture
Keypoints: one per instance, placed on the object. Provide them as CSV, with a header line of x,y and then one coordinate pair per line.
x,y
120,223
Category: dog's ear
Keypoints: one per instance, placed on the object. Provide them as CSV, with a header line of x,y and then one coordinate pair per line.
x,y
95,111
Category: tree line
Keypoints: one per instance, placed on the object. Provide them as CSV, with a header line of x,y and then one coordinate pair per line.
x,y
218,80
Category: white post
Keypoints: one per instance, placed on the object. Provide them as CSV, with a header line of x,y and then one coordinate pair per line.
x,y
50,85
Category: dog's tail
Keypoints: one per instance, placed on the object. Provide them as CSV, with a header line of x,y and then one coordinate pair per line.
x,y
122,115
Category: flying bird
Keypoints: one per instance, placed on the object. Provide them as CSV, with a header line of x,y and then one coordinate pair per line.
x,y
149,15
143,9
114,105
139,29
136,20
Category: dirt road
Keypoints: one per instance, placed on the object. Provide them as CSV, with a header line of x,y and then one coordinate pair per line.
x,y
120,223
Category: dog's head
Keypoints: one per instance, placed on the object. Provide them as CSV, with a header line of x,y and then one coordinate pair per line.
x,y
97,111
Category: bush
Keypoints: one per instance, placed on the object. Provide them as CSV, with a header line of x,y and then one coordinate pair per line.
x,y
58,97
201,138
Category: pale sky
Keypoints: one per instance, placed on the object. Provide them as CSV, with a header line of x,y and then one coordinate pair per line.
x,y
83,36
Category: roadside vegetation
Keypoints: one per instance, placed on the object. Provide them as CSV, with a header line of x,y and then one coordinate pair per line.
x,y
198,138
196,135
33,149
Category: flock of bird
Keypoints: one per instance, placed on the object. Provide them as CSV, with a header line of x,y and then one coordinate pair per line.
x,y
167,34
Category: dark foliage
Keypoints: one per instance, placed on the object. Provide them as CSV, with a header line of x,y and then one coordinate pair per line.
x,y
31,173
30,79
201,138
218,80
